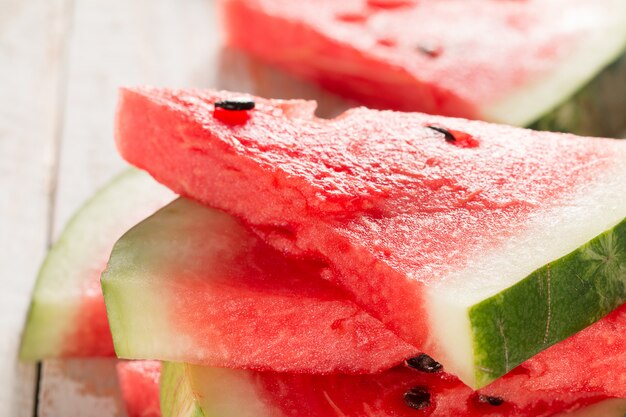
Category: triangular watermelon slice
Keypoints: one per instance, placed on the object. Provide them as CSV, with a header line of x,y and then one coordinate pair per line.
x,y
513,62
192,284
479,244
190,391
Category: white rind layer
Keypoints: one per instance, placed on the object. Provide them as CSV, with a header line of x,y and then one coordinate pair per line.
x,y
550,234
213,392
604,43
140,336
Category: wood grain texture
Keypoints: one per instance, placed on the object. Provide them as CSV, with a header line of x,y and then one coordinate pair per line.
x,y
32,39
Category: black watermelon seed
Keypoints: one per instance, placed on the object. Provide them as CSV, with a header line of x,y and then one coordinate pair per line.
x,y
236,104
417,398
446,133
495,401
429,50
424,363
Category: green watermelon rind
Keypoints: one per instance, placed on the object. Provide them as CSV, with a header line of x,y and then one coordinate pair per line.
x,y
590,281
597,109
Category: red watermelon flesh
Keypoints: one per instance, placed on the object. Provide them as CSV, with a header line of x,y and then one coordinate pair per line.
x,y
383,395
577,372
90,335
139,383
219,392
421,230
504,61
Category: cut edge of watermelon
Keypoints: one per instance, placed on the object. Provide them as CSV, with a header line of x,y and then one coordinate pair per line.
x,y
552,240
122,325
221,394
593,55
179,401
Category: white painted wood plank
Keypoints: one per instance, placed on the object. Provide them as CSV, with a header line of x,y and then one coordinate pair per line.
x,y
32,35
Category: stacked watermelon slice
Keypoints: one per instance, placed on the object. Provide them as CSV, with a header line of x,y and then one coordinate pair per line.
x,y
378,263
557,64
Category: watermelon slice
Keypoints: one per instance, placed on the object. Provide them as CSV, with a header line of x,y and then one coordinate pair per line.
x,y
139,383
67,316
479,244
188,390
513,62
191,284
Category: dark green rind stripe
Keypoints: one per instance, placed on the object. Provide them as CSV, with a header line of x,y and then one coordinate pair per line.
x,y
176,392
551,304
597,109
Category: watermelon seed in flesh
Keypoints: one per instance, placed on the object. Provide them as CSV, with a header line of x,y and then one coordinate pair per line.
x,y
495,401
432,51
417,398
445,132
424,363
236,104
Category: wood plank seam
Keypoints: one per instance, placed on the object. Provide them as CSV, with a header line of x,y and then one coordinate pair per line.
x,y
66,24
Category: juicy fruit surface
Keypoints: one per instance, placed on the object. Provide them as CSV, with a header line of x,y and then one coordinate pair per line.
x,y
67,316
139,383
222,297
380,195
405,55
218,392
